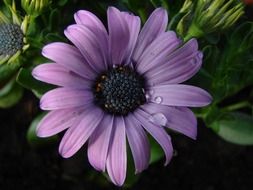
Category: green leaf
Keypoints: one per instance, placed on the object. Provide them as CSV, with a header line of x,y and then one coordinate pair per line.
x,y
212,38
211,114
131,177
32,138
242,37
54,18
10,94
159,3
25,79
7,70
229,64
235,128
156,151
62,2
181,22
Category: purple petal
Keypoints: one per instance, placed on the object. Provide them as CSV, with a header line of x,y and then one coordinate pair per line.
x,y
156,24
99,143
90,20
61,98
134,25
54,73
157,132
117,159
69,57
138,142
76,136
89,45
179,119
180,95
119,36
174,74
57,121
158,51
181,65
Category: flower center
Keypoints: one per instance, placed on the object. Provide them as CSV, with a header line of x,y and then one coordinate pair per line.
x,y
11,39
119,90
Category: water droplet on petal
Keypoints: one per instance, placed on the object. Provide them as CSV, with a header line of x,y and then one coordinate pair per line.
x,y
151,92
200,55
193,61
158,99
147,96
158,119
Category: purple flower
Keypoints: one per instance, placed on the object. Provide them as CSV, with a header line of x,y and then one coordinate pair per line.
x,y
115,86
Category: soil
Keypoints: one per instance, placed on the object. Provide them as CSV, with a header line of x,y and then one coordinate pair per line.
x,y
209,163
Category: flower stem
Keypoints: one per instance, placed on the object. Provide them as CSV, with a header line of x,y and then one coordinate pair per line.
x,y
193,32
236,106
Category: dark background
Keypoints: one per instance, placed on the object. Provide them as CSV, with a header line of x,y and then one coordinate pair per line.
x,y
209,163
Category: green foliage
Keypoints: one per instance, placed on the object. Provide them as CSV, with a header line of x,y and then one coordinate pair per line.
x,y
235,128
230,67
156,151
62,2
131,177
227,69
8,70
211,16
35,8
25,79
10,94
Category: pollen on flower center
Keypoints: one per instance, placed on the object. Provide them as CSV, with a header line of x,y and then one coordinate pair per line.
x,y
11,39
119,90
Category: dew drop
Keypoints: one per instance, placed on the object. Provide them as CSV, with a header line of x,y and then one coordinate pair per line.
x,y
151,92
159,119
200,55
192,61
158,99
147,96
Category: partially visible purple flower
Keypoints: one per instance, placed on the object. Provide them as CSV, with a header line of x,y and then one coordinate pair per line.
x,y
115,86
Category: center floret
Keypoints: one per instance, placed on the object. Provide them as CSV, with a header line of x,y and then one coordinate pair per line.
x,y
11,39
119,90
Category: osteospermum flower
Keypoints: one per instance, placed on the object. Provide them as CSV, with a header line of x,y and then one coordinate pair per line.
x,y
116,85
12,35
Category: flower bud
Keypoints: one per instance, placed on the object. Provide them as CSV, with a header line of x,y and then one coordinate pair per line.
x,y
185,14
214,15
12,35
34,7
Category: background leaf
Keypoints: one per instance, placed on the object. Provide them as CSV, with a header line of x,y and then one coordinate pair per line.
x,y
10,94
156,151
235,128
25,79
